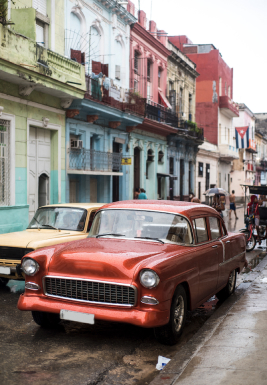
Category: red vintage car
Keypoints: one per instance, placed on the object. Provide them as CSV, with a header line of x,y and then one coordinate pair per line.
x,y
144,263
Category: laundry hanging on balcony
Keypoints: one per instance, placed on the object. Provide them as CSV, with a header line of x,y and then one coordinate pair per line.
x,y
164,100
242,137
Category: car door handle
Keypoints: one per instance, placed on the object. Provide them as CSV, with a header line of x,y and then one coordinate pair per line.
x,y
228,241
214,246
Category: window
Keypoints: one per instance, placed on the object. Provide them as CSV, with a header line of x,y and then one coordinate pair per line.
x,y
148,70
159,76
181,103
220,133
135,86
190,107
4,162
215,230
42,22
200,228
220,86
117,72
225,89
229,91
136,59
200,169
171,166
161,157
40,33
207,176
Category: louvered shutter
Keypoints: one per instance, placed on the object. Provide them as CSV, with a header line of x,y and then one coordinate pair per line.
x,y
96,67
40,6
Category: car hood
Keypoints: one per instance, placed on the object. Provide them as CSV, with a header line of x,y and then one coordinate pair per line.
x,y
103,259
30,238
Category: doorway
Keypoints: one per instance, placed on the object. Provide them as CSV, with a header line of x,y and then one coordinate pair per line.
x,y
181,180
116,178
43,190
136,168
39,168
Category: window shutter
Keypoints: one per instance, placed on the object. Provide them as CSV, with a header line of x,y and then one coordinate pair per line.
x,y
96,67
40,6
118,72
76,55
104,69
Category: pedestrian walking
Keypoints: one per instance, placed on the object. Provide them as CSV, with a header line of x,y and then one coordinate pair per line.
x,y
232,205
142,194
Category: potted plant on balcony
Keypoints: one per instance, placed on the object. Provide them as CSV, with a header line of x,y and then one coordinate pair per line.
x,y
4,12
133,96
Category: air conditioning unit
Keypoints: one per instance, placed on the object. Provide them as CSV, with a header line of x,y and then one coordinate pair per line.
x,y
78,144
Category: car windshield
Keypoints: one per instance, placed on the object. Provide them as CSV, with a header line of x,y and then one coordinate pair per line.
x,y
63,218
142,224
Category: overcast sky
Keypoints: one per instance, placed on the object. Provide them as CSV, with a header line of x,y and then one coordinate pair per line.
x,y
237,28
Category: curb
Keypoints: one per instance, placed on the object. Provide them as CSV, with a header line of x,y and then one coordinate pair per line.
x,y
172,371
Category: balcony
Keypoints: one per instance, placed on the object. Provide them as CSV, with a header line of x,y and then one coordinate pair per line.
x,y
190,128
33,67
91,162
157,112
228,107
228,153
115,97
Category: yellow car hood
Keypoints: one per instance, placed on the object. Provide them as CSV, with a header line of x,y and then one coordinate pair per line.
x,y
34,239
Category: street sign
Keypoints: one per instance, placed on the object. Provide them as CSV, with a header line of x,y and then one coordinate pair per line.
x,y
126,161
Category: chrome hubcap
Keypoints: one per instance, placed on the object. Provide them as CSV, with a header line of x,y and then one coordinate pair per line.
x,y
231,282
178,313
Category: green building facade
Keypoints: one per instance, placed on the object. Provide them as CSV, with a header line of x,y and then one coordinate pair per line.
x,y
37,85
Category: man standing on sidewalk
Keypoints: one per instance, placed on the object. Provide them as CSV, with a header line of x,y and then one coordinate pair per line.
x,y
232,205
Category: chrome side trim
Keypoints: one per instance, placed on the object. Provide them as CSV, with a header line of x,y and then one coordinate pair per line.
x,y
231,259
90,280
223,245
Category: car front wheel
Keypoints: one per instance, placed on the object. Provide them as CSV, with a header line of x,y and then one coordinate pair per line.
x,y
3,281
44,319
229,288
169,334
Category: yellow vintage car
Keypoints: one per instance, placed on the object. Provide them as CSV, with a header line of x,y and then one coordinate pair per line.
x,y
51,225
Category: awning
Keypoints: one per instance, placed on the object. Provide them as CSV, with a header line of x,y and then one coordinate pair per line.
x,y
162,175
165,101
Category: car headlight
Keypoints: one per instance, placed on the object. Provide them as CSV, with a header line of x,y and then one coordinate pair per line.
x,y
149,279
29,266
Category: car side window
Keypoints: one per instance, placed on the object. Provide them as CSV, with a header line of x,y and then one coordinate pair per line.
x,y
200,228
92,215
215,229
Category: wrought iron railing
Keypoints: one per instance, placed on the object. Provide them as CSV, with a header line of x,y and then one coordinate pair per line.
x,y
91,160
161,114
103,91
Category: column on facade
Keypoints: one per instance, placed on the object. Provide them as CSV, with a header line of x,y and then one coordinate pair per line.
x,y
186,175
156,171
131,169
177,173
142,165
145,161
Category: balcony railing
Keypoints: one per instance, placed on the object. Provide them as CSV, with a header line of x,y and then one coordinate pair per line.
x,y
161,114
91,160
114,97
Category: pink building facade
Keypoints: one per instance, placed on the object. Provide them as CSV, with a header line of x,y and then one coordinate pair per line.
x,y
148,60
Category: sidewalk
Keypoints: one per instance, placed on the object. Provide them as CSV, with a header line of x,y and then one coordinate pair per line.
x,y
231,348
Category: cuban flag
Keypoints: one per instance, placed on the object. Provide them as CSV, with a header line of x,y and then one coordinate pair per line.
x,y
242,137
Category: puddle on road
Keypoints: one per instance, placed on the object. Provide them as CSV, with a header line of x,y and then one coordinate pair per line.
x,y
252,264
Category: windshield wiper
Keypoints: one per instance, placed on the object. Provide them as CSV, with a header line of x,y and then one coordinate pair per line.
x,y
37,224
51,227
153,239
114,235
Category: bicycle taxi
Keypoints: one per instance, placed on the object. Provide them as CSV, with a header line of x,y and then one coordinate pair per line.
x,y
249,218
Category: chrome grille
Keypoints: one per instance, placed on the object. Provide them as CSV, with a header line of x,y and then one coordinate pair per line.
x,y
90,291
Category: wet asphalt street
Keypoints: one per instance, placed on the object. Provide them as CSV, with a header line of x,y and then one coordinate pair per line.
x,y
104,353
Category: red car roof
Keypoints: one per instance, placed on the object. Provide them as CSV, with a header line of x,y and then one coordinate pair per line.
x,y
186,208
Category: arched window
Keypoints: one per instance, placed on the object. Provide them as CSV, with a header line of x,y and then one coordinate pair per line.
x,y
160,157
